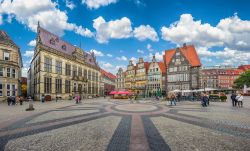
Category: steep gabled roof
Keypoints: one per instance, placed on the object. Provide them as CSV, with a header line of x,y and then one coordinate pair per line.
x,y
108,74
146,65
5,38
162,67
60,45
188,52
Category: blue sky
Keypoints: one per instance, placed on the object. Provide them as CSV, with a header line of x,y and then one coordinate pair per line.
x,y
120,30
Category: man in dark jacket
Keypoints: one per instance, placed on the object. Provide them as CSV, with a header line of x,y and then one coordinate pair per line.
x,y
233,98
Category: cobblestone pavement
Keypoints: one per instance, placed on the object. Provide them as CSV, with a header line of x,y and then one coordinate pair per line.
x,y
121,125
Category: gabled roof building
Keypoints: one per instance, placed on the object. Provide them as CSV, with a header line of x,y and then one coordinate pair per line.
x,y
182,68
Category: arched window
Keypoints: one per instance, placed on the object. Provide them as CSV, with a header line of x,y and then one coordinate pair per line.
x,y
64,47
52,41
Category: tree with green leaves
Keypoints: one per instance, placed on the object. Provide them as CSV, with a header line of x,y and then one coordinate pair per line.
x,y
243,79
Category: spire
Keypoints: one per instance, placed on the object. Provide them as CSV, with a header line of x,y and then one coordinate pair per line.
x,y
153,59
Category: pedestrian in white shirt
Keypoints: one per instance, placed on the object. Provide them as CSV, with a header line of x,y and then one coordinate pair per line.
x,y
240,99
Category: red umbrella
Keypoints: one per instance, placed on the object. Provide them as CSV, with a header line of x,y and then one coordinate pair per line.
x,y
113,92
123,92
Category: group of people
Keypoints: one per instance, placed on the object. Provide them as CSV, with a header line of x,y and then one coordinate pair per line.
x,y
204,100
14,100
237,99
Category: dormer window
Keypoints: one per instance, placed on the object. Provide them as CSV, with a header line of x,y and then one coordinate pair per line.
x,y
64,47
52,41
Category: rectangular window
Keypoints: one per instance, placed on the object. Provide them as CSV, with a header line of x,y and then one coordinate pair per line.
x,y
13,73
67,86
85,73
1,89
8,89
68,70
47,85
47,64
6,56
13,89
79,71
8,72
89,75
58,67
74,71
1,71
58,85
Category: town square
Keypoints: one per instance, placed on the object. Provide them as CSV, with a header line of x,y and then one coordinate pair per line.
x,y
124,75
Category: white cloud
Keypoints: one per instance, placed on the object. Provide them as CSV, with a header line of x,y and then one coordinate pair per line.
x,y
145,32
186,30
95,4
226,56
70,4
120,66
134,60
109,55
1,19
97,53
83,31
107,65
149,47
158,56
114,29
29,12
231,32
29,53
32,43
122,58
140,51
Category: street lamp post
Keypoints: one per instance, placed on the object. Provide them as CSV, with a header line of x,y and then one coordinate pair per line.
x,y
204,85
56,95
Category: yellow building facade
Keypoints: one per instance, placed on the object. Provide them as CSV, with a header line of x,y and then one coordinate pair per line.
x,y
136,77
59,69
141,76
10,67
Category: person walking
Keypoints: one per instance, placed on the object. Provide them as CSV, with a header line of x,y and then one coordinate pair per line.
x,y
204,100
17,99
173,99
9,101
42,98
240,99
233,98
21,100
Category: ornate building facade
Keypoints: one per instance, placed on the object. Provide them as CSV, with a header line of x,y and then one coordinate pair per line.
x,y
120,80
182,66
107,82
156,78
130,77
10,67
59,69
141,70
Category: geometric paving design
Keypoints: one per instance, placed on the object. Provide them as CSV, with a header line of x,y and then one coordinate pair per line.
x,y
121,125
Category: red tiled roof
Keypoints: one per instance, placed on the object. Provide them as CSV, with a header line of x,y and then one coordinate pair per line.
x,y
162,67
146,65
244,67
188,52
108,74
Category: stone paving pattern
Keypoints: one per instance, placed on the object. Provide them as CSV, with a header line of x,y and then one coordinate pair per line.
x,y
121,125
